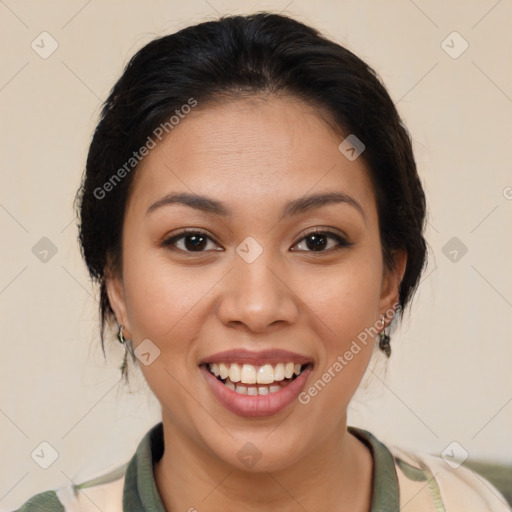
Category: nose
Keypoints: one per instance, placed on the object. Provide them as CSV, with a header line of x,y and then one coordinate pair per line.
x,y
258,296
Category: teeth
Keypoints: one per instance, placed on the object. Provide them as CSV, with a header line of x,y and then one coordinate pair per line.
x,y
288,370
223,371
266,374
241,389
235,372
279,372
250,374
252,390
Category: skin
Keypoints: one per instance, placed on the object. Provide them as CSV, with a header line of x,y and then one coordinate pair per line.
x,y
254,156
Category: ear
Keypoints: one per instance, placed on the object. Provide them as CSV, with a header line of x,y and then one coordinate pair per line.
x,y
116,297
391,279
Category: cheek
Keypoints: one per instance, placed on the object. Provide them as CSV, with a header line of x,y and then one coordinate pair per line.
x,y
345,299
345,306
162,303
160,296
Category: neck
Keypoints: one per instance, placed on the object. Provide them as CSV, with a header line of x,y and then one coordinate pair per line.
x,y
337,473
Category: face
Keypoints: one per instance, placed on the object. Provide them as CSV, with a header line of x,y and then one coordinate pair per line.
x,y
250,240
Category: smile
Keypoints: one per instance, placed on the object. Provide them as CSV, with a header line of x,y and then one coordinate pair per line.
x,y
256,384
248,379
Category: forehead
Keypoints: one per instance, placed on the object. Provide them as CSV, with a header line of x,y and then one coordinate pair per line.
x,y
245,152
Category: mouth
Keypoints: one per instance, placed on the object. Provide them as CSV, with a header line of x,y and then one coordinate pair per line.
x,y
256,384
252,380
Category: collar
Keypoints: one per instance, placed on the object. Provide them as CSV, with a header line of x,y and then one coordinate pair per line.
x,y
141,494
385,493
140,491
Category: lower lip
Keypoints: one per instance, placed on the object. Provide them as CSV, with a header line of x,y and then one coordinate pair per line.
x,y
259,405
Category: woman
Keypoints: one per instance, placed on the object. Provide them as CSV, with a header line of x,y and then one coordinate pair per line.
x,y
253,215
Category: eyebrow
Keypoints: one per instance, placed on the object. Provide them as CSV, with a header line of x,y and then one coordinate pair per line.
x,y
294,207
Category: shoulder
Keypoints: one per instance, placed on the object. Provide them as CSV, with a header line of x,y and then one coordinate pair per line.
x,y
46,501
111,489
425,477
104,492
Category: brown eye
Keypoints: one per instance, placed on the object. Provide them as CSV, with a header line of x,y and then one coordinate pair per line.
x,y
190,241
195,242
321,241
316,242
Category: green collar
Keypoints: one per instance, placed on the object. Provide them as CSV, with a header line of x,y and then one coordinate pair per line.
x,y
140,491
385,493
141,494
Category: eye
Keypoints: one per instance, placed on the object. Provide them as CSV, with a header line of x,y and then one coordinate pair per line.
x,y
190,241
199,241
321,241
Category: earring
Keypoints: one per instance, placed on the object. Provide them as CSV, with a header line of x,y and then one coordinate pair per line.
x,y
384,339
128,347
120,335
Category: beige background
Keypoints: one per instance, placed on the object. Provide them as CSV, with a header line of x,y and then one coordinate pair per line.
x,y
449,377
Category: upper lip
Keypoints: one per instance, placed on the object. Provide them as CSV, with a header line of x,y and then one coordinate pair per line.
x,y
256,358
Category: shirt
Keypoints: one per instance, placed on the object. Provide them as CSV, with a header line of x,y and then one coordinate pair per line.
x,y
400,479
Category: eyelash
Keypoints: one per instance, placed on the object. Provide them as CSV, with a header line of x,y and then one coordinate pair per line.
x,y
342,242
